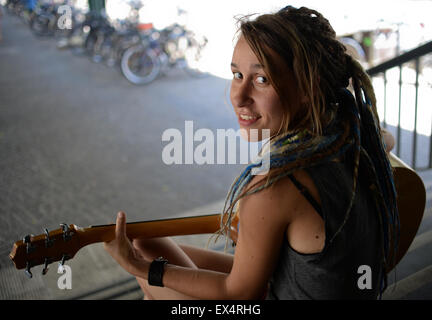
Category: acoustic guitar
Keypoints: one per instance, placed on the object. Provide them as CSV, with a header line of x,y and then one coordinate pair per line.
x,y
62,244
411,203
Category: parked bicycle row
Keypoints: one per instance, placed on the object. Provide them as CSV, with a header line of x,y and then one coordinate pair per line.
x,y
139,50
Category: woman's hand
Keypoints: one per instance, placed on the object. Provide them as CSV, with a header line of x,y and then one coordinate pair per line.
x,y
122,250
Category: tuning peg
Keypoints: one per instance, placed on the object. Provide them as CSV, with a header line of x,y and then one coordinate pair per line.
x,y
48,242
66,232
61,263
45,268
65,227
27,240
27,271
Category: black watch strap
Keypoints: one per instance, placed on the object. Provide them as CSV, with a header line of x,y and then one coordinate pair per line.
x,y
156,272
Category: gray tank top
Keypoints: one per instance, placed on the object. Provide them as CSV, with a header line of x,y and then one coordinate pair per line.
x,y
350,266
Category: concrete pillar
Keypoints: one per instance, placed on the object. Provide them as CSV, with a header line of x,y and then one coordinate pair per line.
x,y
96,5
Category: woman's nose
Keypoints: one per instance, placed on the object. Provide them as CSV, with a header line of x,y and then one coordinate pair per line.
x,y
241,94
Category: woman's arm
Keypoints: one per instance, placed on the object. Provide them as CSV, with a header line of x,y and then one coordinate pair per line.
x,y
209,259
263,222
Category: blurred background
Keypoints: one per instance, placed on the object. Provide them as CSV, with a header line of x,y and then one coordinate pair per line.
x,y
88,87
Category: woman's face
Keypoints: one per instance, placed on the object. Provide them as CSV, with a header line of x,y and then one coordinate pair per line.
x,y
255,101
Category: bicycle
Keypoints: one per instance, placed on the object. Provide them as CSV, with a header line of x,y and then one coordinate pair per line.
x,y
172,47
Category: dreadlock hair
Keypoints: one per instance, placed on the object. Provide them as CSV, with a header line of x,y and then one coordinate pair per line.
x,y
330,123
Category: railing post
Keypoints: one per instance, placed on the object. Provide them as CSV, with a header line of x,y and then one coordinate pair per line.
x,y
417,70
399,115
430,148
385,99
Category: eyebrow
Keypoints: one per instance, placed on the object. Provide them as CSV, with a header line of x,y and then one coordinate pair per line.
x,y
253,66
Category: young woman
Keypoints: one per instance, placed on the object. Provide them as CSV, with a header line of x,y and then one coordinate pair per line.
x,y
325,214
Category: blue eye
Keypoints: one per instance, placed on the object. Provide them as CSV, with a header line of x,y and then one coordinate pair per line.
x,y
261,79
237,75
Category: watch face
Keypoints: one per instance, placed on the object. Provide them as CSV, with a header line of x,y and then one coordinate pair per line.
x,y
161,259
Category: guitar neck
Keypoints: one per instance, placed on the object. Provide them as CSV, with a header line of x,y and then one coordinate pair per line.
x,y
154,228
63,243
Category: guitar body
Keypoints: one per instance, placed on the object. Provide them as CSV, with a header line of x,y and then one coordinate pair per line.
x,y
411,202
62,244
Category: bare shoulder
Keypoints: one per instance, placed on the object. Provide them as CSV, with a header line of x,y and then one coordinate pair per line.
x,y
277,202
281,204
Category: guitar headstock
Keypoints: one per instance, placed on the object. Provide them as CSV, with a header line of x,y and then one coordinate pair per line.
x,y
58,245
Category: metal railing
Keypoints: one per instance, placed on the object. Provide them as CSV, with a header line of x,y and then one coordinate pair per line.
x,y
407,58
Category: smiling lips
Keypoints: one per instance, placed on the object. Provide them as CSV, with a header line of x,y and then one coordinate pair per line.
x,y
247,119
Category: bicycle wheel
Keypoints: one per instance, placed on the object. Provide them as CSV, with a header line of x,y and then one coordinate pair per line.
x,y
140,65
